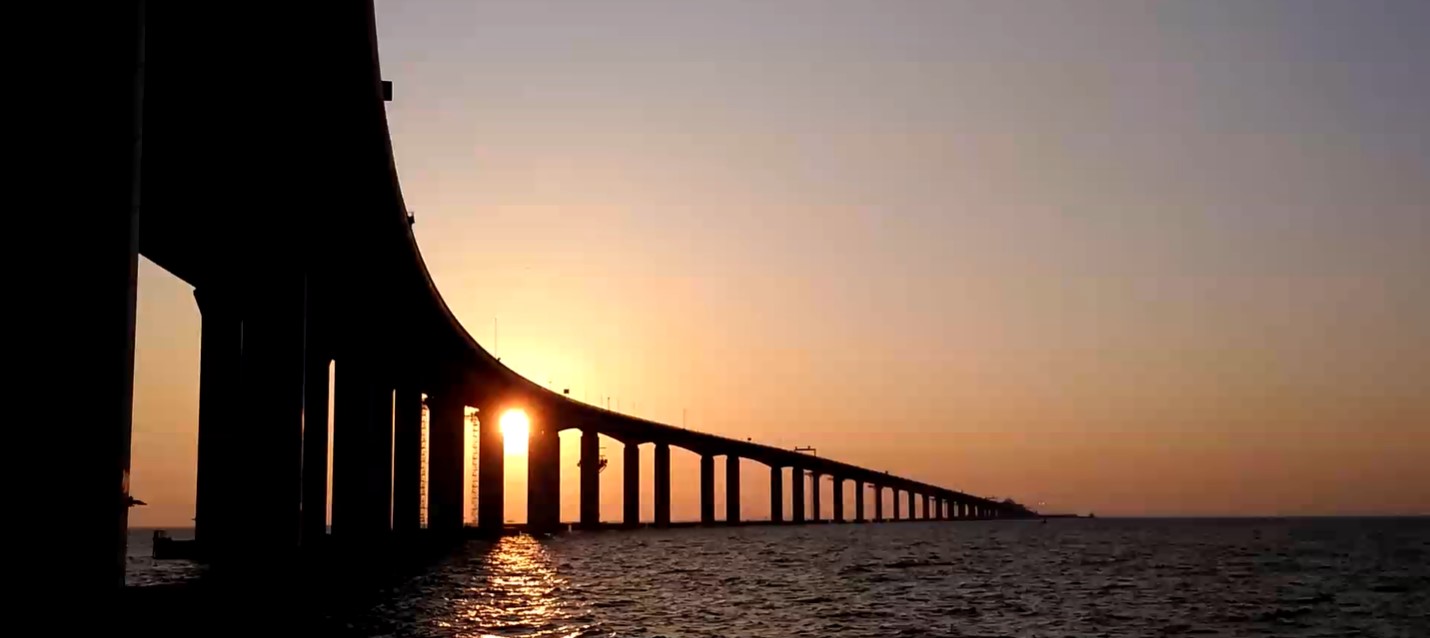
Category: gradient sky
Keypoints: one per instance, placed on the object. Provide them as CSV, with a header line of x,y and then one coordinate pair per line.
x,y
1129,257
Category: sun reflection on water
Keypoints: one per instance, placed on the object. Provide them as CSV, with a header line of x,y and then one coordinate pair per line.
x,y
514,591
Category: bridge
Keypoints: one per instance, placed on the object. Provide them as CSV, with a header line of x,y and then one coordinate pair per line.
x,y
247,153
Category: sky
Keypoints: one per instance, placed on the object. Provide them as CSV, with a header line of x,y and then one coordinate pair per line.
x,y
1136,258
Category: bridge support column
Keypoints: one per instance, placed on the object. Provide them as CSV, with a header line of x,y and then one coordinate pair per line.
x,y
814,497
271,442
662,484
315,438
838,499
777,494
445,413
491,470
732,489
218,497
897,503
543,476
362,452
406,460
858,501
879,503
796,492
631,497
707,489
590,479
928,507
910,498
93,492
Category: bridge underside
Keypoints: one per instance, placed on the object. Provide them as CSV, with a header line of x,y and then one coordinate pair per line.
x,y
250,157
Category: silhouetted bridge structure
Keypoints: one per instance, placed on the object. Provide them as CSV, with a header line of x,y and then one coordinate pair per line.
x,y
246,151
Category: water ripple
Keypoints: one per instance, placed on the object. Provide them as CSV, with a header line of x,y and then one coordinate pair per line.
x,y
1068,578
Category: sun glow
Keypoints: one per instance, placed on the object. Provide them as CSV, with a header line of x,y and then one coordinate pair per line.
x,y
515,429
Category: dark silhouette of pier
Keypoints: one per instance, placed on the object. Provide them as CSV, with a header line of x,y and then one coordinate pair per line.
x,y
245,149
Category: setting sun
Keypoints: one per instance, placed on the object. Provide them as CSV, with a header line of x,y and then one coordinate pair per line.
x,y
515,429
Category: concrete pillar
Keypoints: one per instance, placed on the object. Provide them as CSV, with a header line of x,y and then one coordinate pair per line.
x,y
590,479
814,497
543,476
271,441
406,460
491,470
707,489
662,484
100,242
796,492
909,496
879,503
732,489
859,501
445,413
777,495
928,507
631,499
218,497
838,499
897,502
315,441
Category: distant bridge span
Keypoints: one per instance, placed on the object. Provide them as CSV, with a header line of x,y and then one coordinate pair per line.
x,y
264,176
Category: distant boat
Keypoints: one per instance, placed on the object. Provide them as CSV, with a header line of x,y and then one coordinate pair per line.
x,y
166,548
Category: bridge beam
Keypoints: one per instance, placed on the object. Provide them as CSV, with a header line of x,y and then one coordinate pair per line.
x,y
491,470
445,413
662,484
838,499
406,459
543,480
707,489
796,493
631,497
858,501
590,479
777,496
732,489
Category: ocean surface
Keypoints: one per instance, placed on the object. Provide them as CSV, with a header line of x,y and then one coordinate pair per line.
x,y
1106,577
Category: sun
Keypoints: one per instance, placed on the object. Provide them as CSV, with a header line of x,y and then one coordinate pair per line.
x,y
515,429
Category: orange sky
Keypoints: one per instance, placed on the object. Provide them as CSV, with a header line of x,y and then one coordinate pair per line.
x,y
1167,261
